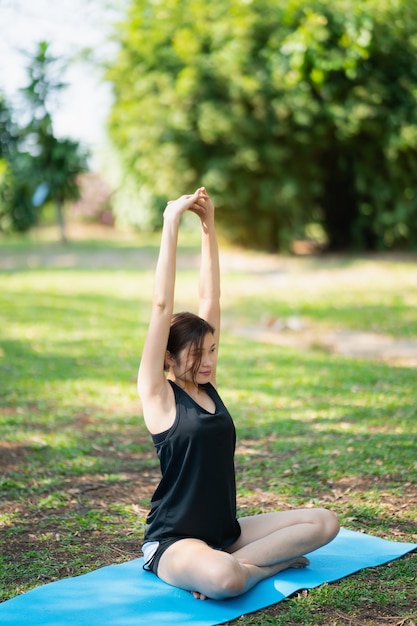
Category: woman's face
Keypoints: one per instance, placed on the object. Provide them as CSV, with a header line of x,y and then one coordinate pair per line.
x,y
183,368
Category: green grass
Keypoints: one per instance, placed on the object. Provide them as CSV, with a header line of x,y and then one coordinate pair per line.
x,y
314,428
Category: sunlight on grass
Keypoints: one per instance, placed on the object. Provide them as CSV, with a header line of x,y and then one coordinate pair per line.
x,y
314,428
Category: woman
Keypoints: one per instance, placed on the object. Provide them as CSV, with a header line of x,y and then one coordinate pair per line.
x,y
192,538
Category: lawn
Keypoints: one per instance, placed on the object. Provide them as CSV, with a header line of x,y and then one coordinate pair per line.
x,y
314,427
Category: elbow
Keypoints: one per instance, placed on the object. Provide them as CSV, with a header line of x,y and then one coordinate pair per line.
x,y
161,306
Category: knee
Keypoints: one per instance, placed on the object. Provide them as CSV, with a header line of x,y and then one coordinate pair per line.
x,y
330,524
227,579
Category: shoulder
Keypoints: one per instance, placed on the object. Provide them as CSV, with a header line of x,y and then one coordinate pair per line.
x,y
213,392
211,389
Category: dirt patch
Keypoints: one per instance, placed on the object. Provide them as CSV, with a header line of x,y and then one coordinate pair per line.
x,y
271,271
354,344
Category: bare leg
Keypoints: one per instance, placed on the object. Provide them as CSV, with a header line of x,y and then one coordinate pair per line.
x,y
192,565
268,544
277,537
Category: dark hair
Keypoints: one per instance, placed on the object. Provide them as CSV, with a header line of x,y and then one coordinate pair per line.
x,y
188,329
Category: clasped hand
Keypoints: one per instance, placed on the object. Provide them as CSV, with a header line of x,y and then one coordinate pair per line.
x,y
199,202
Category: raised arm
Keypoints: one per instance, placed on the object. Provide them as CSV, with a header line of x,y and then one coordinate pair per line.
x,y
151,379
209,283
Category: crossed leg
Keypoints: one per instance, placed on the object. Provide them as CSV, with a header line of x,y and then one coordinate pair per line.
x,y
269,543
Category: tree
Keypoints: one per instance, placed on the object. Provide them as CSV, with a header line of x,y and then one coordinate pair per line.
x,y
8,129
290,112
16,176
37,166
57,162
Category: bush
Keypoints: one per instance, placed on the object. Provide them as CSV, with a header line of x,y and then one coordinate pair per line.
x,y
289,112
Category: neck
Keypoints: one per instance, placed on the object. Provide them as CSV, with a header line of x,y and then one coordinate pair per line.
x,y
188,385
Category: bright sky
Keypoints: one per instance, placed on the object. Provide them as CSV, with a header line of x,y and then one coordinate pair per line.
x,y
69,26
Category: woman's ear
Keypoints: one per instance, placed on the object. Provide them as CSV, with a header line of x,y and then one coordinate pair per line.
x,y
169,360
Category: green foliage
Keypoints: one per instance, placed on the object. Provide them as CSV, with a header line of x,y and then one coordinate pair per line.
x,y
6,194
17,176
33,155
60,161
8,130
15,206
18,181
289,112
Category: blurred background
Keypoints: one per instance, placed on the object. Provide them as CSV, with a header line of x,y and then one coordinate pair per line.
x,y
72,28
299,117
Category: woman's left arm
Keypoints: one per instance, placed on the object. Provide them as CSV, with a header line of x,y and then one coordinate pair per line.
x,y
209,282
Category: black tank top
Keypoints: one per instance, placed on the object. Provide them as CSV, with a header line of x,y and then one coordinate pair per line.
x,y
196,497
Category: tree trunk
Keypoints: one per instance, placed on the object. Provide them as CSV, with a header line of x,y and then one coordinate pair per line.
x,y
60,217
338,201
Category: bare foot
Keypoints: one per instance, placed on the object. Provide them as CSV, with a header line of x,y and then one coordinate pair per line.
x,y
199,596
262,572
265,571
297,563
301,561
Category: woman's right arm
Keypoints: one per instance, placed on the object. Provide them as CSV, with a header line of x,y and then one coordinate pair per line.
x,y
152,384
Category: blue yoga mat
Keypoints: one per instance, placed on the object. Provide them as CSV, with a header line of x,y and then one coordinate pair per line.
x,y
125,595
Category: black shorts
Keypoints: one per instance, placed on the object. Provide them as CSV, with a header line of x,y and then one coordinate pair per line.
x,y
153,551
